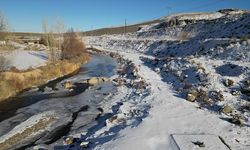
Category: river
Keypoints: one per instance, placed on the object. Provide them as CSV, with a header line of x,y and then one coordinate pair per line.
x,y
77,108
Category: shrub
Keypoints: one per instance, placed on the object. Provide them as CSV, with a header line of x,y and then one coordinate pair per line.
x,y
48,40
43,41
72,46
4,63
7,47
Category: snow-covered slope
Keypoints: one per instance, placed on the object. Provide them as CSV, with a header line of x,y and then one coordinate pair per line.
x,y
203,58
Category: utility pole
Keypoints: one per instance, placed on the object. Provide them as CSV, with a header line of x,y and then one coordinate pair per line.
x,y
125,27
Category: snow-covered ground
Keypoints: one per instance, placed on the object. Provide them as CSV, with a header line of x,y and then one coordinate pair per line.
x,y
180,84
204,60
24,59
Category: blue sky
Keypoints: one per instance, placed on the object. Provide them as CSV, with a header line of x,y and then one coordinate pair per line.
x,y
27,15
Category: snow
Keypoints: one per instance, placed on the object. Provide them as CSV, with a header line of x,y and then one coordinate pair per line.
x,y
210,142
157,116
22,59
171,115
195,16
172,66
28,124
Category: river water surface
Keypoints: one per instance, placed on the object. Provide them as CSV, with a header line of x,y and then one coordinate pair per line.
x,y
53,97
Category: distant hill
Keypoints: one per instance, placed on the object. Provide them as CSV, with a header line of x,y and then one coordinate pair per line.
x,y
118,30
97,32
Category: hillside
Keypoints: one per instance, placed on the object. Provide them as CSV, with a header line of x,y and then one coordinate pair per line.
x,y
118,30
197,66
97,32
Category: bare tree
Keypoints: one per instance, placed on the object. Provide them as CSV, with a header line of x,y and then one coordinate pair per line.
x,y
4,63
3,27
49,40
59,29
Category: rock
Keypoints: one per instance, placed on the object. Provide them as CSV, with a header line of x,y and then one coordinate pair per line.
x,y
235,92
190,97
220,96
237,120
115,120
105,79
216,95
36,130
69,85
187,86
93,81
228,82
247,82
203,97
96,80
157,70
84,144
119,81
69,140
246,91
227,109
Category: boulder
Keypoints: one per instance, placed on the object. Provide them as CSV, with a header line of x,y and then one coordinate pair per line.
x,y
238,120
190,97
69,140
84,144
228,82
69,85
96,80
93,81
227,109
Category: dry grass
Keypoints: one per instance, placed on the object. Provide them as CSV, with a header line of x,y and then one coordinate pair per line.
x,y
7,47
13,82
73,46
19,137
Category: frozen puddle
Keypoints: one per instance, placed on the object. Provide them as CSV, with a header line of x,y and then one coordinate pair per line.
x,y
197,142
